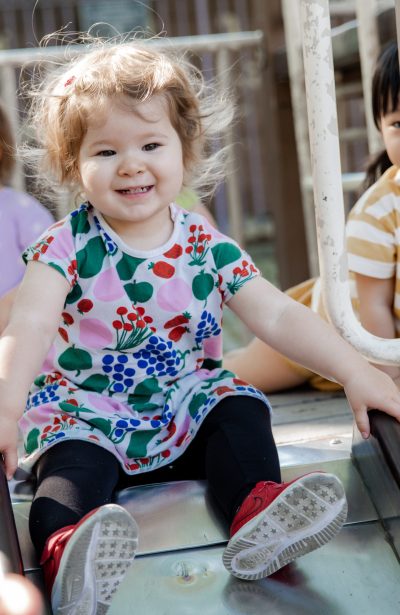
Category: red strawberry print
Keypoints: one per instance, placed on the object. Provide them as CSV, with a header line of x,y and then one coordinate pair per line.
x,y
67,318
63,334
176,333
174,252
182,319
162,269
84,305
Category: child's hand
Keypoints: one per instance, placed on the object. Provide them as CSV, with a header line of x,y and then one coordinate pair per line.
x,y
370,388
8,444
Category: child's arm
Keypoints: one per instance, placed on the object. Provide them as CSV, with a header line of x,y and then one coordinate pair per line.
x,y
23,347
376,298
304,337
6,303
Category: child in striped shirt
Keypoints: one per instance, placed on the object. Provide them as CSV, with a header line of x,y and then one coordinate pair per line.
x,y
373,235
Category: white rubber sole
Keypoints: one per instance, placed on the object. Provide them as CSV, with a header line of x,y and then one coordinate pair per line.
x,y
94,562
304,517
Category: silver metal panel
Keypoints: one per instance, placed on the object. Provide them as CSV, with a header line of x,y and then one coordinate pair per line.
x,y
377,477
355,573
180,515
315,452
175,515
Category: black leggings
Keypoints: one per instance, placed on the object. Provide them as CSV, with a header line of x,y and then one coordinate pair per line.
x,y
233,449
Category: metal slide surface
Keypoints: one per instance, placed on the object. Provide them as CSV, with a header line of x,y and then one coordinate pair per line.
x,y
179,570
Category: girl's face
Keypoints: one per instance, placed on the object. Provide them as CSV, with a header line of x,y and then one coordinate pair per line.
x,y
390,129
131,167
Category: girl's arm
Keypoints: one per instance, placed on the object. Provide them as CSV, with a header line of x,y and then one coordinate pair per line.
x,y
23,347
376,311
304,337
6,303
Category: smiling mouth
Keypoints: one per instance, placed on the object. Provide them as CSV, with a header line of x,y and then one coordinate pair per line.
x,y
139,190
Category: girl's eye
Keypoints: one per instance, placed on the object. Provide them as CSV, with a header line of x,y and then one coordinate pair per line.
x,y
151,147
106,152
396,124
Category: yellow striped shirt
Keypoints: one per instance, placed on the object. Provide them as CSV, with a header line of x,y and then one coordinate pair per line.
x,y
373,235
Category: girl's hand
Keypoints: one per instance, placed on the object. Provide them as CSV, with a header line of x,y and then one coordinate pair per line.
x,y
8,444
369,388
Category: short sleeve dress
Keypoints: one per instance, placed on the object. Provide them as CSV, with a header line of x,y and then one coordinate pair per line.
x,y
136,364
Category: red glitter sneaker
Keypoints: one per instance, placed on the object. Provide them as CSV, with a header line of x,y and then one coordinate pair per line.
x,y
84,564
279,522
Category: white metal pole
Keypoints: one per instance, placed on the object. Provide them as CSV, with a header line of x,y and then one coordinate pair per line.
x,y
368,43
328,196
292,26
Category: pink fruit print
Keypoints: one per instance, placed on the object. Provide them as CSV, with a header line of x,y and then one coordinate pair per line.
x,y
162,269
108,286
174,295
213,346
93,333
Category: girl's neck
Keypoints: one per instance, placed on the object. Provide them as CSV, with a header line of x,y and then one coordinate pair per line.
x,y
147,235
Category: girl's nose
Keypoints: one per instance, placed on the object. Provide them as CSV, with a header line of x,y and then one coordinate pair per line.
x,y
130,166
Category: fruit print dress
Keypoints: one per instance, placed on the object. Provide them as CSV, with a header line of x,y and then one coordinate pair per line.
x,y
136,364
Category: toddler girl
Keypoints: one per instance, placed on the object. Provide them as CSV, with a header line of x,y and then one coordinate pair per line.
x,y
118,326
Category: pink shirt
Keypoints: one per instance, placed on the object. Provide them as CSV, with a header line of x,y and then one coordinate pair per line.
x,y
22,219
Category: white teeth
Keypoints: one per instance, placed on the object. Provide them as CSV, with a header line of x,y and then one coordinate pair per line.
x,y
135,190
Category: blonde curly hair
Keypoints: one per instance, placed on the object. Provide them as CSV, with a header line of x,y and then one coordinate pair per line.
x,y
65,100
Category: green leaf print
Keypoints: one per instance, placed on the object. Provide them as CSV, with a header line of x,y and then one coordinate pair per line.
x,y
90,258
74,295
75,359
139,292
79,223
32,441
127,266
40,380
139,441
73,409
198,400
202,285
104,425
141,407
96,382
225,253
211,364
144,391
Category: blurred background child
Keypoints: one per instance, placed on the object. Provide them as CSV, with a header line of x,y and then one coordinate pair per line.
x,y
22,219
